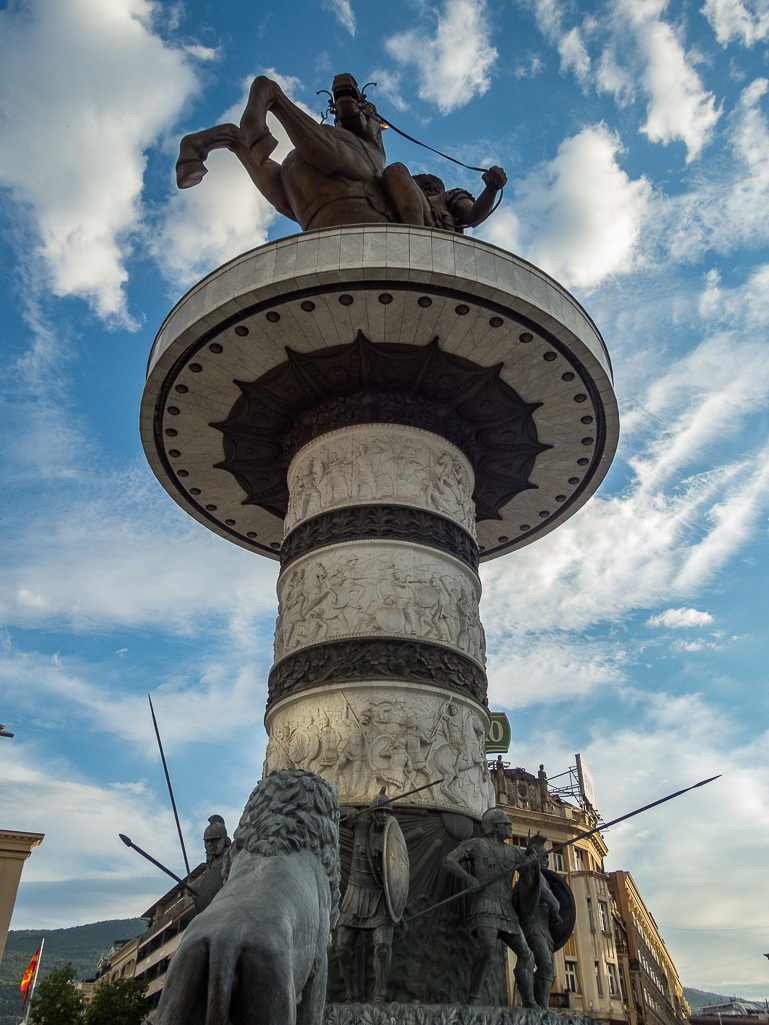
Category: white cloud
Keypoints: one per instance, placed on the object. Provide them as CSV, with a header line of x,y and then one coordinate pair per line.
x,y
747,23
453,65
674,742
225,215
81,821
74,134
675,619
729,204
389,85
197,703
679,107
344,13
82,561
582,212
657,542
574,56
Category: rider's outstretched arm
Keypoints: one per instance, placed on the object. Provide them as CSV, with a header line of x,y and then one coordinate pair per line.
x,y
472,214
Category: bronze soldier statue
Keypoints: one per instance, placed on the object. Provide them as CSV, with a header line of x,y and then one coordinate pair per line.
x,y
216,842
545,906
487,864
376,892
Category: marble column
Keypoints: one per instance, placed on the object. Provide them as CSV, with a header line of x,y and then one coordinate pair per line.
x,y
389,612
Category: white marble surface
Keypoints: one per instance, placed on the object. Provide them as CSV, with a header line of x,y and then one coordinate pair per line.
x,y
395,259
379,589
374,464
363,736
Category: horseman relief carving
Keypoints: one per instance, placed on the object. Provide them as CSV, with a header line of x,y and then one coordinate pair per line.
x,y
363,465
370,589
336,174
359,742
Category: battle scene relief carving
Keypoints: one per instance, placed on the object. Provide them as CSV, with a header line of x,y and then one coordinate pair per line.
x,y
387,589
360,739
375,463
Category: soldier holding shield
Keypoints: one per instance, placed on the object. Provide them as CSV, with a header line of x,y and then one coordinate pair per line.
x,y
376,892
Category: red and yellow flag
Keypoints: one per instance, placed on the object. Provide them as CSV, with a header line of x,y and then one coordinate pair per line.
x,y
29,975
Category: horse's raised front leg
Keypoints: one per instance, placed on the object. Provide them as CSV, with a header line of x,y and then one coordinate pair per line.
x,y
193,150
259,139
317,145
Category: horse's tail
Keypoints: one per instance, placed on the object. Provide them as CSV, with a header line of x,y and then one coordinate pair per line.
x,y
223,961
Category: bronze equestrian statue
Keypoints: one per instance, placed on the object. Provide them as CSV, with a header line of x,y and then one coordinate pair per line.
x,y
336,174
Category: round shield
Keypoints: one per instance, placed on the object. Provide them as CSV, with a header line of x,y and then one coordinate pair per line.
x,y
390,619
524,893
562,893
395,868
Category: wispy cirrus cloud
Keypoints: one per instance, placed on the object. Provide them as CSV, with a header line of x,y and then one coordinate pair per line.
x,y
637,52
734,20
342,10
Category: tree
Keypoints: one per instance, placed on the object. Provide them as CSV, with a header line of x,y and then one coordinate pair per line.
x,y
118,1003
57,1001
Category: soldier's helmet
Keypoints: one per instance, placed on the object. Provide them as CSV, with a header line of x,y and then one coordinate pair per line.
x,y
490,819
215,829
381,802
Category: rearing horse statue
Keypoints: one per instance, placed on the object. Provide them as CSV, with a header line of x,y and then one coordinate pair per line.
x,y
336,174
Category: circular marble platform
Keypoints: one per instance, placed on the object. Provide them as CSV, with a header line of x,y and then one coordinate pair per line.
x,y
469,341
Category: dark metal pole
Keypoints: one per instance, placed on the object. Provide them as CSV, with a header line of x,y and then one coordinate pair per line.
x,y
170,791
559,847
630,814
129,843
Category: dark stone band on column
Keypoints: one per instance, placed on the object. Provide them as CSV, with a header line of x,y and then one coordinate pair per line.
x,y
375,658
382,522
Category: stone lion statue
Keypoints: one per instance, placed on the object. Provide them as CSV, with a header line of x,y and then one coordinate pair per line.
x,y
257,953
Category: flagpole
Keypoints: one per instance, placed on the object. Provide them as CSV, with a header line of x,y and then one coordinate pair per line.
x,y
34,981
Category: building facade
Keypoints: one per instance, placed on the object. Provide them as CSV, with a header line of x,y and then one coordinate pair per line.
x,y
604,971
15,848
657,994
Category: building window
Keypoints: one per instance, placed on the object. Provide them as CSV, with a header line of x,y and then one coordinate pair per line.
x,y
579,859
558,861
590,914
572,979
603,917
608,947
613,987
598,984
623,986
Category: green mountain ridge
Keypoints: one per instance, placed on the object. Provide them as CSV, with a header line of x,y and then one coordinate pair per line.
x,y
83,945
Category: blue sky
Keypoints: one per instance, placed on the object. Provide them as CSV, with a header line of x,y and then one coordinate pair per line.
x,y
636,140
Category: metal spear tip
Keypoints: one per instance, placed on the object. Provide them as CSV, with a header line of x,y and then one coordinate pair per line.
x,y
126,839
704,781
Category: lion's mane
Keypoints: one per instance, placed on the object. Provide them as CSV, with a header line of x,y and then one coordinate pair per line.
x,y
291,810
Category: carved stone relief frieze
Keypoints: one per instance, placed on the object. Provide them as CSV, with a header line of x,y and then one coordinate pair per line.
x,y
379,588
363,737
386,522
375,463
384,660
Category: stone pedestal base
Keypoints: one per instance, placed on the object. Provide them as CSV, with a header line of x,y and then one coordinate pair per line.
x,y
445,1014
